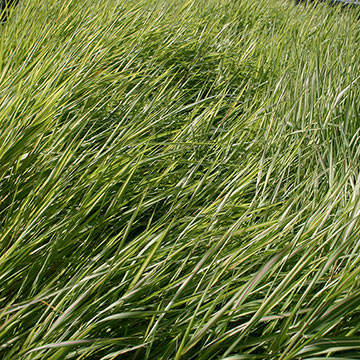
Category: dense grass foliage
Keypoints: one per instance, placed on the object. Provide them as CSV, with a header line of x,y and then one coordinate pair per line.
x,y
179,180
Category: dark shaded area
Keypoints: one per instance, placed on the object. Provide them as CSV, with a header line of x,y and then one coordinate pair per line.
x,y
313,1
5,6
330,2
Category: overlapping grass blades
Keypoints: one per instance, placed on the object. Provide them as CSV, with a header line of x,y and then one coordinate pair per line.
x,y
179,180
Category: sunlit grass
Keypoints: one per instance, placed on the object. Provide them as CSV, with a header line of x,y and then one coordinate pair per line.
x,y
179,180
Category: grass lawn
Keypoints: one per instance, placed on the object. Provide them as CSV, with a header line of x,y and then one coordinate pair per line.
x,y
179,180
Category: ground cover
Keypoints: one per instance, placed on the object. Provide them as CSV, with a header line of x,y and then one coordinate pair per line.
x,y
179,180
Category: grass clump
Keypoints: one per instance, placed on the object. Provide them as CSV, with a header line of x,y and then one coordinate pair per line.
x,y
179,180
